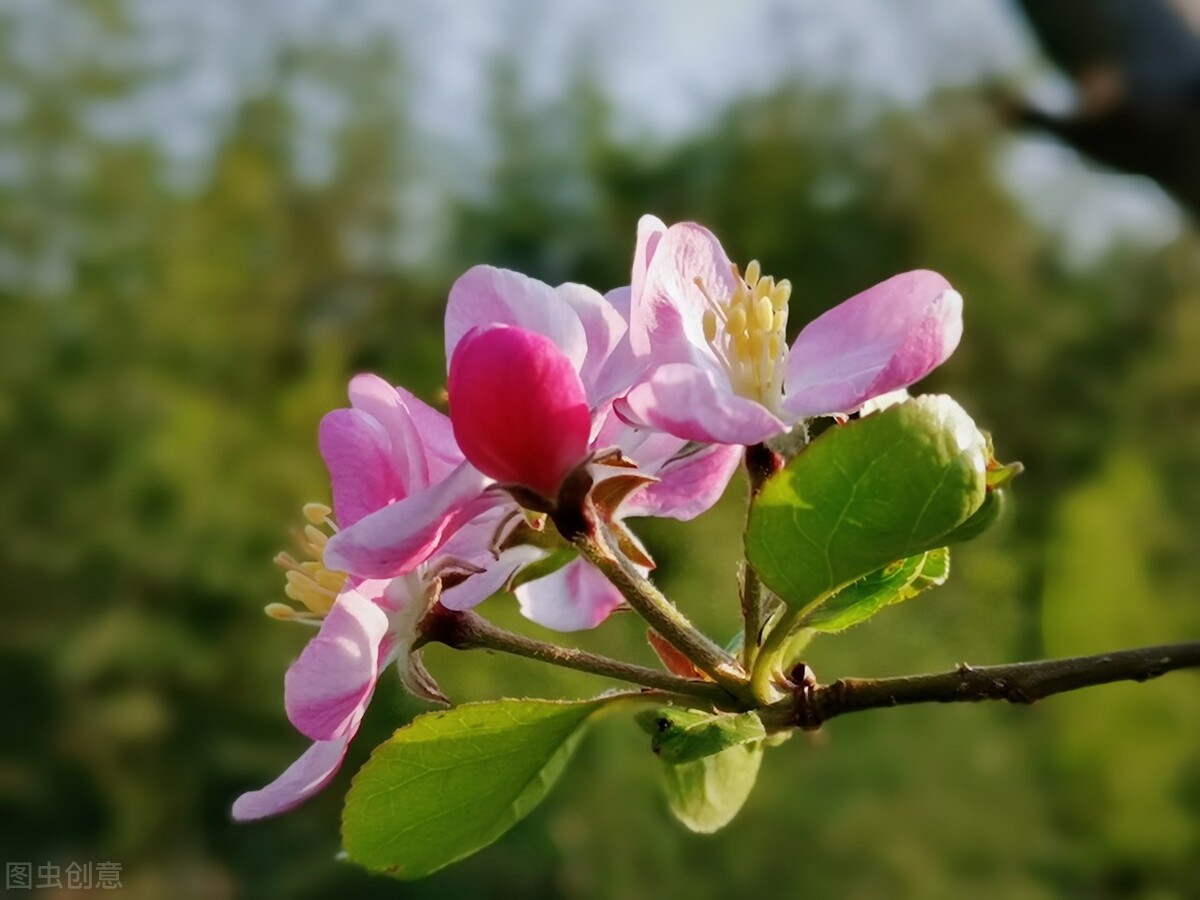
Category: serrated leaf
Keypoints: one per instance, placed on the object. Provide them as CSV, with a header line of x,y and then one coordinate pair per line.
x,y
686,735
706,794
453,782
887,487
896,583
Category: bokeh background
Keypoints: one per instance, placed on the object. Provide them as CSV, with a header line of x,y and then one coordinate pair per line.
x,y
212,214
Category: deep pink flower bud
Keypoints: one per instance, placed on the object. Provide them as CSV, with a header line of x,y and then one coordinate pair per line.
x,y
519,410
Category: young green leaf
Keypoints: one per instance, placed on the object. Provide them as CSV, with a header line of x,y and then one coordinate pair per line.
x,y
896,583
707,793
886,487
685,735
453,782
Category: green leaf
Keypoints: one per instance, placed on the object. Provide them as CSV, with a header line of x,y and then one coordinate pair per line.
x,y
896,583
453,782
886,487
706,794
985,517
686,735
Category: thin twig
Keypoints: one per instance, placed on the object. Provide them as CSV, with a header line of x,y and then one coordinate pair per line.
x,y
1024,682
466,631
662,615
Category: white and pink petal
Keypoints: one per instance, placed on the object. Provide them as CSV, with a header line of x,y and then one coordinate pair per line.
x,y
401,536
878,341
695,404
688,485
573,598
327,689
358,454
687,272
485,296
308,775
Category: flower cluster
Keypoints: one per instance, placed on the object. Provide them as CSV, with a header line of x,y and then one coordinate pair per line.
x,y
569,411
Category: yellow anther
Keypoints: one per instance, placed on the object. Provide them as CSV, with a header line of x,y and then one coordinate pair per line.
x,y
737,321
316,599
710,325
764,314
331,581
317,513
316,538
309,583
753,272
774,346
757,345
763,287
782,294
741,344
286,561
779,321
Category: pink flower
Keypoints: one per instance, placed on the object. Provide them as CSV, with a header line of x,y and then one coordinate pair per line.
x,y
711,340
532,373
379,452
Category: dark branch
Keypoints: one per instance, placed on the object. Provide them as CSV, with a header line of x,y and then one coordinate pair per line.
x,y
467,631
1024,682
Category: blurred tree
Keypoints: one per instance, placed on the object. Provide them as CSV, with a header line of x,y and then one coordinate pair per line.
x,y
1136,68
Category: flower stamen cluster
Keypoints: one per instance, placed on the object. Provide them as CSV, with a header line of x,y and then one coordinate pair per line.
x,y
747,332
310,584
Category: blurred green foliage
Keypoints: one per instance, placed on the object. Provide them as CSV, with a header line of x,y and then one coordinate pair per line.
x,y
169,351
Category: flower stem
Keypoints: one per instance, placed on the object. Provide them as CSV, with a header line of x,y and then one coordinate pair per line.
x,y
468,631
661,614
761,464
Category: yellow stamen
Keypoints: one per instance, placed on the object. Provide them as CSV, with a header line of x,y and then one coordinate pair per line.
x,y
317,513
747,333
286,561
782,294
764,313
309,584
737,320
316,538
308,593
331,581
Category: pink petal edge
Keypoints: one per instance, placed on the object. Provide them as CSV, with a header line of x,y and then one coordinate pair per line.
x,y
573,598
688,402
401,536
688,485
485,295
358,455
880,340
327,689
308,775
